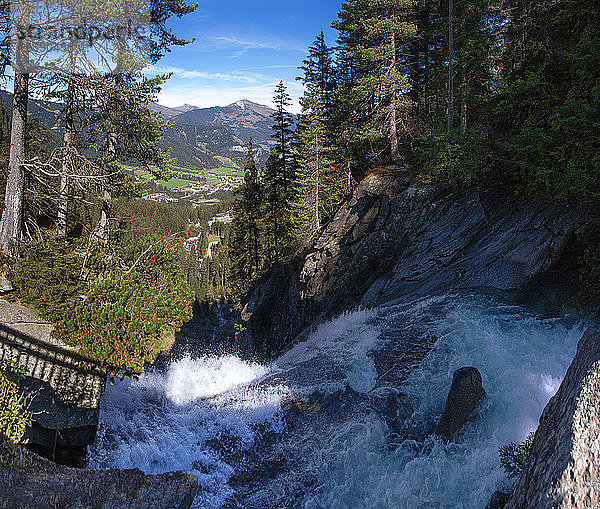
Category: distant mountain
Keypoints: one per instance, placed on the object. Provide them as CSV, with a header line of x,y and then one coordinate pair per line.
x,y
221,131
167,112
200,137
46,112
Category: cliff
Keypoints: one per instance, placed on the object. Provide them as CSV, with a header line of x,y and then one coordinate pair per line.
x,y
393,239
563,470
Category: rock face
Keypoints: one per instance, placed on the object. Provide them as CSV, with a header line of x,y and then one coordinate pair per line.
x,y
27,481
391,240
498,500
564,468
465,394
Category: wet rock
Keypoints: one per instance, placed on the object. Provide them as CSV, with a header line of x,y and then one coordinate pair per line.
x,y
465,394
395,408
498,500
564,466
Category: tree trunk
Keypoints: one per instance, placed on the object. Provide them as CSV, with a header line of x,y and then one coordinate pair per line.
x,y
464,89
394,146
426,29
256,261
11,226
349,175
65,191
317,186
450,65
463,108
102,231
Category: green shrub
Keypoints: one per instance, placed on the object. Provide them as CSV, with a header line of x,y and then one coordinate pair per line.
x,y
514,457
589,264
47,275
14,417
118,304
453,160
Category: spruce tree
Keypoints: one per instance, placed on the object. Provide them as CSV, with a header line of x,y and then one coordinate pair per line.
x,y
318,73
319,185
246,251
283,133
279,180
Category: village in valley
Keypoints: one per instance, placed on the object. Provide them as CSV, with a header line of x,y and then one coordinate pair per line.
x,y
197,187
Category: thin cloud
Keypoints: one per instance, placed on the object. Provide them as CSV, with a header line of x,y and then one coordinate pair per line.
x,y
242,46
245,44
219,76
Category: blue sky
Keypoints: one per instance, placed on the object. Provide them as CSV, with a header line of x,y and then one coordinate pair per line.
x,y
242,49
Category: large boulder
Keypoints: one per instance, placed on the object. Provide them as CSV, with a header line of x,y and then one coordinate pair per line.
x,y
563,470
465,394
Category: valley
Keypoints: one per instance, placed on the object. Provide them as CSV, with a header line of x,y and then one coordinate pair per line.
x,y
209,146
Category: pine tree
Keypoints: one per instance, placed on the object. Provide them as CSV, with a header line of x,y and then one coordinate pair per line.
x,y
319,185
246,250
318,73
279,179
282,152
11,224
378,35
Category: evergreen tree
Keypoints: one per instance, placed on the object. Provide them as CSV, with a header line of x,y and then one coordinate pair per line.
x,y
319,185
379,34
318,73
283,154
279,179
246,251
549,112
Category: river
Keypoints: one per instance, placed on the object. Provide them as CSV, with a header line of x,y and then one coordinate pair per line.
x,y
316,429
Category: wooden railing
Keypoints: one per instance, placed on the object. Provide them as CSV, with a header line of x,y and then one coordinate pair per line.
x,y
76,380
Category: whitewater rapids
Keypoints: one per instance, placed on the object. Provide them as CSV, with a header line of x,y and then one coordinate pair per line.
x,y
227,422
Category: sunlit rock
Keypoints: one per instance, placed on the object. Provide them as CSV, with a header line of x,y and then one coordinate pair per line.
x,y
564,467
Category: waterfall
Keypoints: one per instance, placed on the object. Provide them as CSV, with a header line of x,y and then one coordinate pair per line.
x,y
237,425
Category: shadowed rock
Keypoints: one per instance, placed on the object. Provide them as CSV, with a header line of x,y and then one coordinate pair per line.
x,y
393,240
464,396
29,481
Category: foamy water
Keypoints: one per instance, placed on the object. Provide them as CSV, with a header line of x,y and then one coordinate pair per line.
x,y
171,420
197,413
522,361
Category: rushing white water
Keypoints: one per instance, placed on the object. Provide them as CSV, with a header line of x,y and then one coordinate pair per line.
x,y
202,414
171,421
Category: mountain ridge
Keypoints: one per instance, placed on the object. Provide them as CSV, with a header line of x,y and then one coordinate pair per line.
x,y
198,137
